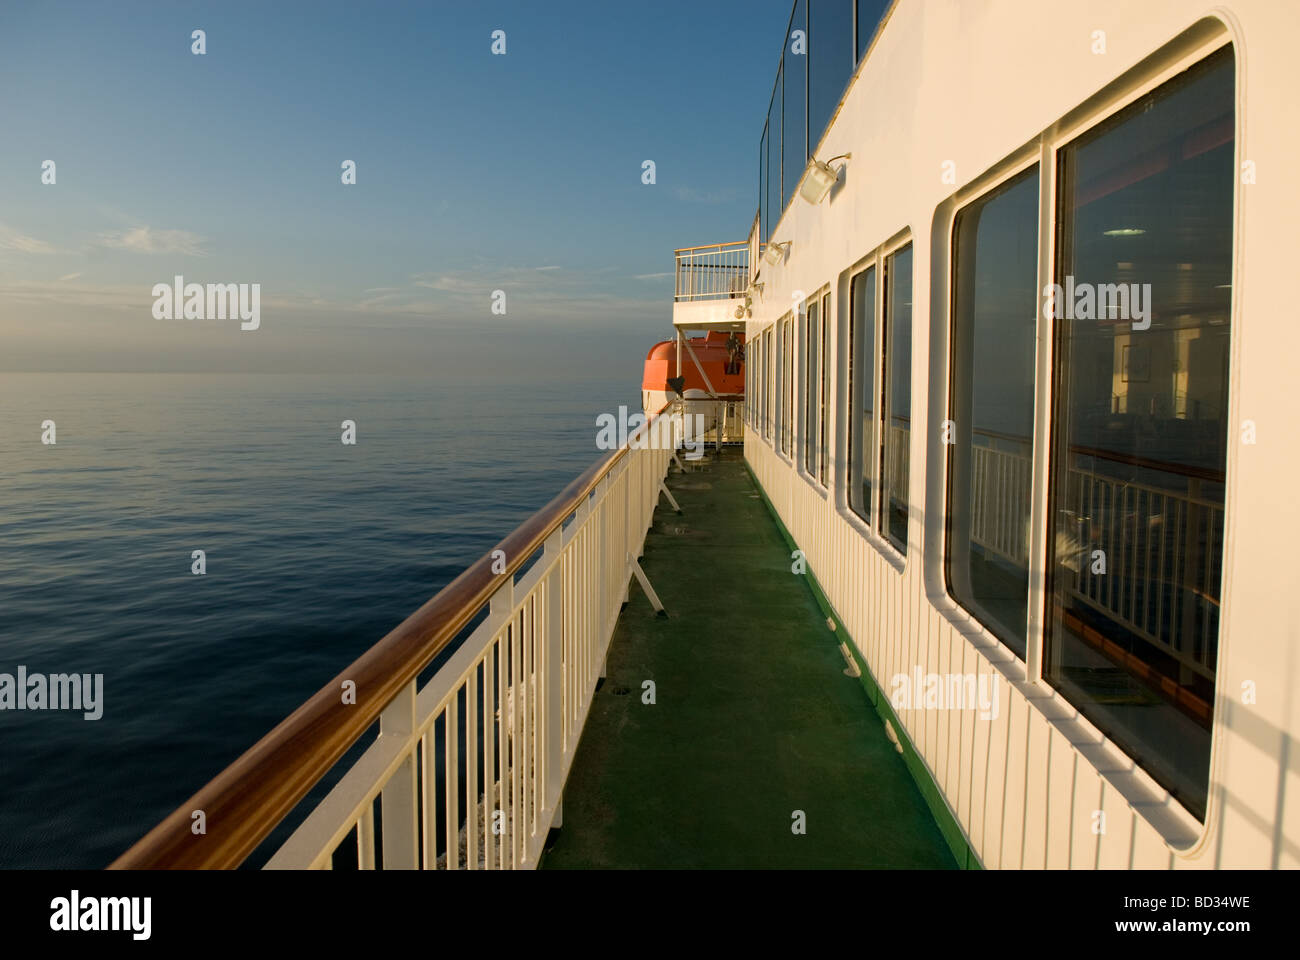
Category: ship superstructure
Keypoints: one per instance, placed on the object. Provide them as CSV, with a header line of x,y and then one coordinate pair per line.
x,y
994,519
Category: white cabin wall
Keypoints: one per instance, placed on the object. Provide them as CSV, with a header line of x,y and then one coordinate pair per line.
x,y
973,82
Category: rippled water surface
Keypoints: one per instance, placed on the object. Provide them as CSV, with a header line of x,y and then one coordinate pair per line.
x,y
314,550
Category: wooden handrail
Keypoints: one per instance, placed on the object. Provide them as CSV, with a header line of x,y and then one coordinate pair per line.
x,y
247,800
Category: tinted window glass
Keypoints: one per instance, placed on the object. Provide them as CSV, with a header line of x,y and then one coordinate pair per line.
x,y
870,13
897,397
773,201
862,390
990,457
795,121
812,387
830,61
1142,317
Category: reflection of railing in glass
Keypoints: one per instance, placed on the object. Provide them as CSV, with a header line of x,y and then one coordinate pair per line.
x,y
897,462
1160,544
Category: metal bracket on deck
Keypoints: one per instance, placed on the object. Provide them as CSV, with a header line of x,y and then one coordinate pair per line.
x,y
650,594
663,488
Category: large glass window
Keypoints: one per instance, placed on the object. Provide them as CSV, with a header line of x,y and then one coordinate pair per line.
x,y
767,383
812,381
1142,317
749,385
830,62
764,208
990,459
869,15
794,124
823,456
897,406
787,387
862,391
772,213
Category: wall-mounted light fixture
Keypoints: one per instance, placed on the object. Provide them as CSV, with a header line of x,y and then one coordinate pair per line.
x,y
776,252
818,178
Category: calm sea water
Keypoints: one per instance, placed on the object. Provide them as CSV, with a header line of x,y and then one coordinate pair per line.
x,y
314,551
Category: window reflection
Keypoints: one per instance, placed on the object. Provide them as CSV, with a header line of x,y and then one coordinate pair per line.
x,y
869,15
767,384
898,397
812,387
773,197
794,123
823,455
990,462
830,61
862,390
1137,494
787,388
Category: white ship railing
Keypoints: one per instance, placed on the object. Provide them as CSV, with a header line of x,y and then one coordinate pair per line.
x,y
715,272
467,770
723,418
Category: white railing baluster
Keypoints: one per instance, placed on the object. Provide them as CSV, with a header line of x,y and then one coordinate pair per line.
x,y
429,792
366,839
398,799
489,755
552,720
471,771
451,781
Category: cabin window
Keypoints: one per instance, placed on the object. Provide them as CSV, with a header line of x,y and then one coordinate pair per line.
x,y
862,391
751,381
822,457
989,435
812,382
767,384
776,386
896,397
787,386
1142,320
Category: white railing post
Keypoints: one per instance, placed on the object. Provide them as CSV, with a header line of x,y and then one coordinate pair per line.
x,y
398,798
552,716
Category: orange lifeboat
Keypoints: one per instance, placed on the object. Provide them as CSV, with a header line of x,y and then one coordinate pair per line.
x,y
713,367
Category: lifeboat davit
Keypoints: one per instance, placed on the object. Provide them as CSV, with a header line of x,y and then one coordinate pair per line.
x,y
713,368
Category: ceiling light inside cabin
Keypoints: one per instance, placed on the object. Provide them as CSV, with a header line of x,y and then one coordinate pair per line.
x,y
1125,232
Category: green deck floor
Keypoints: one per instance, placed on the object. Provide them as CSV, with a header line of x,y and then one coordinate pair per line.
x,y
754,717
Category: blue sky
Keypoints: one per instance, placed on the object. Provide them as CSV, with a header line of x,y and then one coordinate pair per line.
x,y
474,172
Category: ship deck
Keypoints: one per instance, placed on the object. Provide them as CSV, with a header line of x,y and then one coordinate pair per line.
x,y
754,717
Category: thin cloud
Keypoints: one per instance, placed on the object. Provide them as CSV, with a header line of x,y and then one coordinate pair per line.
x,y
652,276
11,239
68,276
148,240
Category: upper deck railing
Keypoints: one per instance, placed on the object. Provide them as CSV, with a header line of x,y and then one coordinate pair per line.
x,y
468,769
715,272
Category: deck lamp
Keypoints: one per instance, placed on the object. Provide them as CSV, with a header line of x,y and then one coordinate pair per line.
x,y
775,252
818,178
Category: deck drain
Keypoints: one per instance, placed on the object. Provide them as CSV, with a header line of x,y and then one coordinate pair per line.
x,y
620,691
